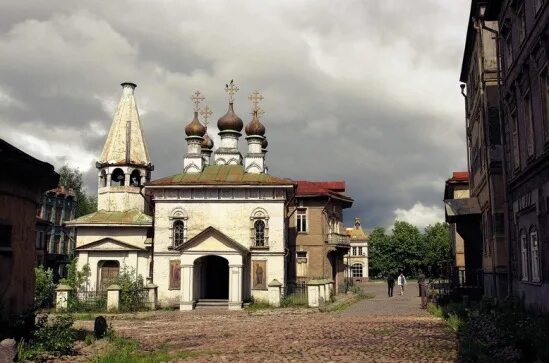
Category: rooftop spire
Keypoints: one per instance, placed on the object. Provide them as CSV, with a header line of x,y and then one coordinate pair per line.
x,y
125,143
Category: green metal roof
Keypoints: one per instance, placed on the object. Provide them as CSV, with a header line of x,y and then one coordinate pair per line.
x,y
132,216
221,175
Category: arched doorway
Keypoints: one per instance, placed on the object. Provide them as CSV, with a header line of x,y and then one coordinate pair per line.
x,y
107,272
212,278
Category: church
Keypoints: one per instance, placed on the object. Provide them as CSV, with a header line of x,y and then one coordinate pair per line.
x,y
219,230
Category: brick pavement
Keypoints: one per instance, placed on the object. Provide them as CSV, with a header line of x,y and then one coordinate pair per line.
x,y
368,331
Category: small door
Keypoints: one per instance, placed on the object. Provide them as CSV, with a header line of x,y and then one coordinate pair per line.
x,y
108,271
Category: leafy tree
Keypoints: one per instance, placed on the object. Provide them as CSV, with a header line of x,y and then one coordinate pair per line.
x,y
44,288
76,279
72,178
408,250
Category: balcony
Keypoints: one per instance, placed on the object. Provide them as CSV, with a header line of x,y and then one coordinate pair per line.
x,y
337,239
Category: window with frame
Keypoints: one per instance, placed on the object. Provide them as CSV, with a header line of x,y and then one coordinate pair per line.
x,y
301,220
530,122
356,270
523,256
522,23
534,255
301,263
178,233
515,136
259,228
508,49
354,251
58,213
360,251
544,89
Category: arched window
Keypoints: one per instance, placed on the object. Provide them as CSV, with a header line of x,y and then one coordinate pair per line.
x,y
259,227
534,255
356,270
117,178
178,233
135,178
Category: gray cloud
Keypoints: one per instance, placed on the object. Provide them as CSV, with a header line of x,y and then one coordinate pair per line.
x,y
360,91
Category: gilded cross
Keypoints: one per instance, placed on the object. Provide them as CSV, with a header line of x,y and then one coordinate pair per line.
x,y
197,98
259,111
206,112
231,90
255,97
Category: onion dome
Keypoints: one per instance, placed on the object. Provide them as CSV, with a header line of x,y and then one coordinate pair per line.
x,y
264,143
207,143
230,121
255,127
195,128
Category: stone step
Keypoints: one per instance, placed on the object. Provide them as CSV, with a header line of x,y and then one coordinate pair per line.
x,y
212,303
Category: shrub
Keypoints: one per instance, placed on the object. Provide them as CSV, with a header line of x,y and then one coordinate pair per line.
x,y
132,293
56,337
44,289
76,279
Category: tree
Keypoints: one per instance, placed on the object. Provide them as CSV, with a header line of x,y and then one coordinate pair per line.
x,y
72,178
437,247
408,250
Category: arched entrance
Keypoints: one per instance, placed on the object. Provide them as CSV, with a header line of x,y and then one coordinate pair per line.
x,y
212,278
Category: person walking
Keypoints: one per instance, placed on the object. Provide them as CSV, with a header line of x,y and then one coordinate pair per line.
x,y
390,285
401,282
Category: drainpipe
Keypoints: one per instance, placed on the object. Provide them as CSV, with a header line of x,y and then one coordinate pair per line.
x,y
504,154
151,207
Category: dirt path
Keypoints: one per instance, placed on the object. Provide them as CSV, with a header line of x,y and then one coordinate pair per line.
x,y
368,331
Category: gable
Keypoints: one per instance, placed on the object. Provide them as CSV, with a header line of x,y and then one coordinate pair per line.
x,y
108,244
211,240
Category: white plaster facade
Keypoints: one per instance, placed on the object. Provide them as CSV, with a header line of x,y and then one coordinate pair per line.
x,y
230,211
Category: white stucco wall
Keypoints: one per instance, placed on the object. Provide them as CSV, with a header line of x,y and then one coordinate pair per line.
x,y
134,260
132,235
230,217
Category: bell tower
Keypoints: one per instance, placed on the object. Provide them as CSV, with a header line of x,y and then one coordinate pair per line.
x,y
124,165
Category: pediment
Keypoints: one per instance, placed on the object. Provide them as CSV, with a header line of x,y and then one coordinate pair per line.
x,y
212,240
108,244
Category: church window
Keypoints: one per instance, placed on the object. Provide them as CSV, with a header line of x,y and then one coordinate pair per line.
x,y
259,226
301,220
356,270
354,251
117,178
58,213
135,178
534,255
178,233
360,251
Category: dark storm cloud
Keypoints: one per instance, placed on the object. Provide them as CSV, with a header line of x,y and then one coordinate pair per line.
x,y
360,91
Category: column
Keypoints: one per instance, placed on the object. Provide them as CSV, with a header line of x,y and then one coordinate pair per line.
x,y
187,296
274,293
152,295
235,287
113,298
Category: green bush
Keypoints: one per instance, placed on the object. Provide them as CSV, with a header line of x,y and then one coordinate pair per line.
x,y
44,289
132,293
54,337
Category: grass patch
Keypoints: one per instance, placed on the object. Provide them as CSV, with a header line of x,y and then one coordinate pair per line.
x,y
344,305
126,350
258,305
435,310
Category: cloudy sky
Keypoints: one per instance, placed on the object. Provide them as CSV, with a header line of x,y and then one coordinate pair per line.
x,y
364,91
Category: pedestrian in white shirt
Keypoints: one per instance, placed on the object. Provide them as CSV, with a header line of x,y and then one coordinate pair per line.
x,y
401,280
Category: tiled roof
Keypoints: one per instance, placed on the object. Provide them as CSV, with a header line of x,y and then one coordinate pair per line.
x,y
130,217
322,188
460,176
221,175
357,234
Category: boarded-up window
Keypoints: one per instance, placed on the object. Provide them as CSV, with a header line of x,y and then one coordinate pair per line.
x,y
175,274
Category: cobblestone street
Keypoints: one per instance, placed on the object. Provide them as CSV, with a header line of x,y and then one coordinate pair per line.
x,y
380,329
